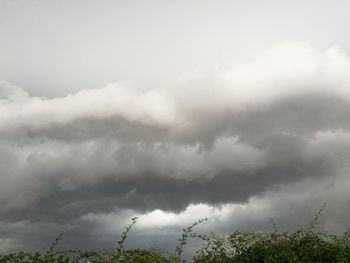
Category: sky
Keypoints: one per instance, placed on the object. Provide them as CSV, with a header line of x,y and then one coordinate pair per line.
x,y
171,111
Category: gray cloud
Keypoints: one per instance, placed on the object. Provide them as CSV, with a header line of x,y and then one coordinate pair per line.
x,y
85,161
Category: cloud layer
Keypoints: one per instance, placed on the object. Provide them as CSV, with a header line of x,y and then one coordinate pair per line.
x,y
247,141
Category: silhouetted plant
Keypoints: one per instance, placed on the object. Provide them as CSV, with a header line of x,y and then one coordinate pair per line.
x,y
301,246
186,233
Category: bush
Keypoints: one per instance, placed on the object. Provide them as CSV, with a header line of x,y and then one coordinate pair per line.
x,y
303,245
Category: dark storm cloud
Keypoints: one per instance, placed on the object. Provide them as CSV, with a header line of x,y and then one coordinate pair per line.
x,y
119,171
237,139
147,192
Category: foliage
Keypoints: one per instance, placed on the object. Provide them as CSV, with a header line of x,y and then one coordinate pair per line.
x,y
303,245
186,233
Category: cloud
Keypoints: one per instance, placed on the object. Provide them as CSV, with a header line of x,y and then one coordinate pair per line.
x,y
247,142
20,111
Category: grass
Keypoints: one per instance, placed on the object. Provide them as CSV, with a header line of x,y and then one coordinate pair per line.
x,y
303,245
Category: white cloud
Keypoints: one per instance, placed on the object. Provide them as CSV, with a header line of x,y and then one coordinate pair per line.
x,y
19,111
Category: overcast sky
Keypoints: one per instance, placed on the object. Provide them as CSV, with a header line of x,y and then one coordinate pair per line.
x,y
171,111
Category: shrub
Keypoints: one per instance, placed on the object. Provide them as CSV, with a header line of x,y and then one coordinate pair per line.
x,y
303,245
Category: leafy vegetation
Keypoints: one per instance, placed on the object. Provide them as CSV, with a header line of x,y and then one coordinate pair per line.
x,y
303,245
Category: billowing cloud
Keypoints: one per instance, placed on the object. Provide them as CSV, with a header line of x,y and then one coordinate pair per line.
x,y
245,142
